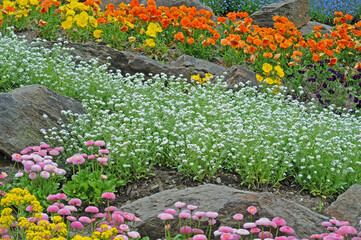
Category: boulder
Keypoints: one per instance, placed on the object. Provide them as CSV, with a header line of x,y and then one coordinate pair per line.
x,y
200,66
166,3
236,75
347,206
309,27
226,201
22,112
297,11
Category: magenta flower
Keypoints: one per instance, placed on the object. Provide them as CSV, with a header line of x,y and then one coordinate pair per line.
x,y
99,215
71,218
255,230
199,237
33,175
64,211
287,230
76,225
179,204
184,215
75,202
108,195
29,208
211,214
226,236
238,217
61,196
334,221
16,157
252,210
170,211
128,216
99,143
92,209
89,143
118,218
165,216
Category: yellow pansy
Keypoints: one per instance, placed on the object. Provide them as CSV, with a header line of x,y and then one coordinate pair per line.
x,y
267,67
129,24
279,71
153,29
68,23
131,39
70,12
259,78
93,22
97,33
82,19
142,31
150,42
269,80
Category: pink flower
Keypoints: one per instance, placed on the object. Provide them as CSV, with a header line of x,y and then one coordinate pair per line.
x,y
192,207
123,237
76,225
287,230
252,210
184,215
242,232
54,152
237,237
110,209
89,143
84,220
44,145
45,174
211,214
28,164
33,175
165,216
108,195
225,229
199,237
61,196
90,157
343,223
316,236
255,230
118,218
170,211
60,149
249,225
212,221
334,221
279,221
99,215
179,204
281,238
19,174
104,151
331,229
238,217
103,176
263,222
52,198
64,211
78,159
92,209
124,227
99,143
35,168
16,157
185,230
347,230
71,208
226,236
128,216
200,214
71,218
133,234
29,208
265,234
197,231
42,153
75,202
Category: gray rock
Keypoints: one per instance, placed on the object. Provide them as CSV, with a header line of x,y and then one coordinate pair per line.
x,y
236,75
22,118
200,66
166,3
326,29
347,207
297,11
226,201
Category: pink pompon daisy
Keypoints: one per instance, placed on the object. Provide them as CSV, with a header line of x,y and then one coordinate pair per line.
x,y
76,225
287,230
111,209
71,218
124,227
211,214
179,204
64,211
123,237
281,238
263,222
52,208
347,230
104,177
238,217
133,234
92,209
16,157
104,151
170,211
225,229
242,232
33,175
185,230
212,221
84,220
99,215
44,174
200,214
75,202
89,143
19,174
249,225
252,210
255,230
99,143
108,195
192,207
316,236
199,237
184,215
61,196
54,152
226,236
165,216
29,208
265,234
279,221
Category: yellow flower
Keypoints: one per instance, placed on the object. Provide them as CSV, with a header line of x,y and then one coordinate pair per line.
x,y
131,39
97,33
267,67
153,29
142,31
66,24
150,42
259,78
279,71
82,19
269,80
93,22
34,2
70,13
129,24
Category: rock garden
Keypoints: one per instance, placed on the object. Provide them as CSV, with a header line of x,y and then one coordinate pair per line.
x,y
180,119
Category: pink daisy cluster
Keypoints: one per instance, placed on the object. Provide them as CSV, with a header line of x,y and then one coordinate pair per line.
x,y
338,230
101,155
3,175
38,162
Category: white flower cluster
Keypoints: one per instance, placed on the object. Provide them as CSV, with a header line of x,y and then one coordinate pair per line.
x,y
200,129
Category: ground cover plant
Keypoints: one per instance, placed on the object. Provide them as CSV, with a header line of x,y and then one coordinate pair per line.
x,y
320,11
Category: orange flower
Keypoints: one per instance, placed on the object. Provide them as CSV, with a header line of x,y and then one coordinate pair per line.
x,y
251,49
315,57
165,23
273,47
257,42
232,16
211,41
297,53
225,42
338,13
332,62
351,44
268,55
185,22
329,53
179,36
317,28
101,20
42,22
150,2
190,40
221,19
291,64
348,17
110,7
124,28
